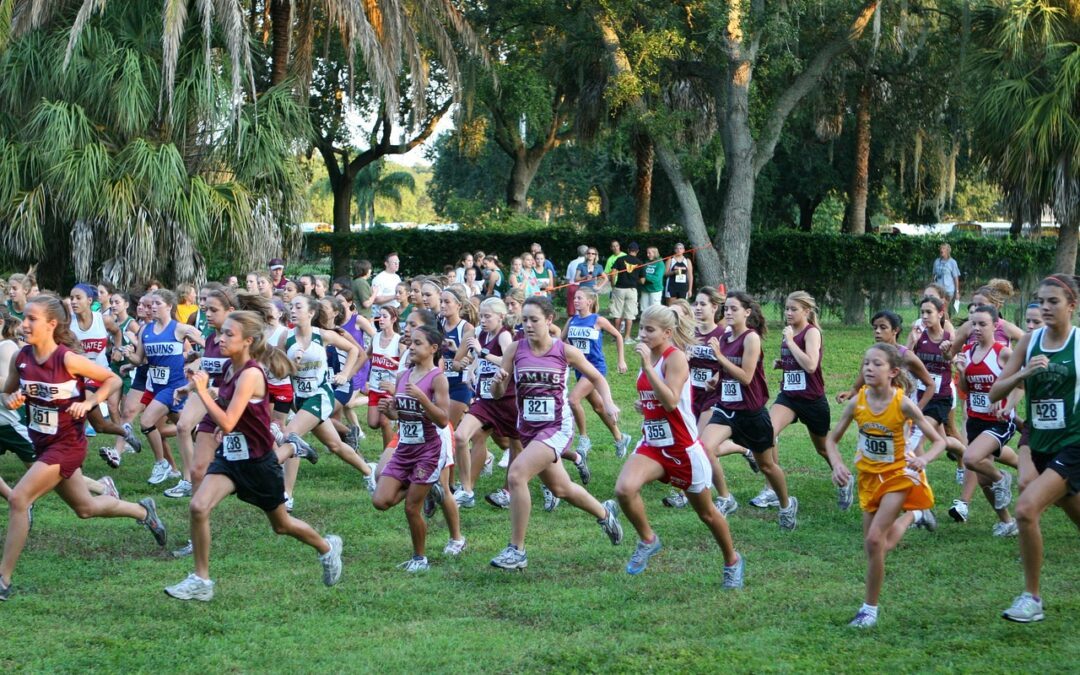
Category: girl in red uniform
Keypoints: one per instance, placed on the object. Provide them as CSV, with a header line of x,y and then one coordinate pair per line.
x,y
49,377
669,450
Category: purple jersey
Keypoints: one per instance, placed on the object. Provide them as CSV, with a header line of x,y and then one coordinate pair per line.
x,y
352,327
498,414
212,361
734,395
541,379
414,427
796,382
251,437
50,390
939,367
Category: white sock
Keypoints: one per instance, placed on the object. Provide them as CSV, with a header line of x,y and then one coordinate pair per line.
x,y
869,609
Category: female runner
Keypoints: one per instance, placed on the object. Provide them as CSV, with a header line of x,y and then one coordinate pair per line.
x,y
385,355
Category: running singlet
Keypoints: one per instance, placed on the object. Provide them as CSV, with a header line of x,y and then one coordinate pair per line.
x,y
733,394
939,367
582,333
663,428
212,361
251,437
94,340
312,371
450,346
541,381
352,327
50,390
165,356
980,376
274,338
384,362
486,370
1053,413
414,427
678,284
881,444
796,382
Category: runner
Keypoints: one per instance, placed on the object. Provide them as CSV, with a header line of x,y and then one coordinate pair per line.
x,y
245,463
46,376
669,450
385,355
890,479
457,332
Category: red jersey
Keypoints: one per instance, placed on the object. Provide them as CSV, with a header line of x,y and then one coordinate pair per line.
x,y
662,428
50,390
980,376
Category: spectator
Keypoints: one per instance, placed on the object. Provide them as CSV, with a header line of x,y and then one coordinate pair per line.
x,y
571,276
624,296
545,273
537,252
679,277
361,286
616,253
277,273
652,281
384,285
947,273
464,262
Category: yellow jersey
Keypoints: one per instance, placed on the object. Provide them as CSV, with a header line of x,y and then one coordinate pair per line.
x,y
881,445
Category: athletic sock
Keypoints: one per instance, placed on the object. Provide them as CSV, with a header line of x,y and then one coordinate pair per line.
x,y
869,609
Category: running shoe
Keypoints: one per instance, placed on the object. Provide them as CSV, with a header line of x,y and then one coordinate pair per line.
x,y
301,448
504,461
152,522
30,518
551,502
275,431
752,461
675,500
465,500
726,505
1009,529
845,494
584,445
331,561
110,487
90,430
734,574
288,502
765,499
181,489
172,473
159,473
5,591
926,520
111,457
863,620
789,516
371,481
959,511
583,469
500,499
640,558
1002,490
432,501
417,563
511,558
489,462
959,475
610,522
184,551
454,547
192,588
622,445
1025,609
133,441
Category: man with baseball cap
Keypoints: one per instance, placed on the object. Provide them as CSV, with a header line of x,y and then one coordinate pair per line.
x,y
277,273
624,296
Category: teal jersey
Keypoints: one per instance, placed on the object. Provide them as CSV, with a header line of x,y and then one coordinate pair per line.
x,y
1053,395
654,276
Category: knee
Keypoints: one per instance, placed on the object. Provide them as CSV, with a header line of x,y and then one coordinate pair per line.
x,y
413,509
561,490
380,503
184,426
198,508
85,511
624,491
18,501
281,526
1026,512
517,477
461,440
874,542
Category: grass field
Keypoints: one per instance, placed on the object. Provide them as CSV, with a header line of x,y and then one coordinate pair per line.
x,y
89,594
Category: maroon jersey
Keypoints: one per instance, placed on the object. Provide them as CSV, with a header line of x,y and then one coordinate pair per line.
x,y
939,367
212,361
251,437
50,390
796,382
733,394
703,366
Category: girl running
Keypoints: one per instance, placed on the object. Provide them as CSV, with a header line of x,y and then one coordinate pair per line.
x,y
540,366
1047,366
669,450
244,463
995,293
47,377
132,403
457,332
891,480
385,356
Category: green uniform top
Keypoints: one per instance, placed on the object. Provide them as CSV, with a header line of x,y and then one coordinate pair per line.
x,y
14,313
654,276
1053,395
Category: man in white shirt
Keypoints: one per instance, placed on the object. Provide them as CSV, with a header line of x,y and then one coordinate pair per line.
x,y
384,285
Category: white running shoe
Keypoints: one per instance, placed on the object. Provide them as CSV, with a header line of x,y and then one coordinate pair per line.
x,y
192,588
454,547
959,511
1025,609
610,522
108,453
511,558
622,445
551,502
584,445
504,461
131,440
845,495
465,500
789,516
765,499
734,575
1009,529
489,462
288,502
173,473
675,500
863,620
184,551
926,520
331,561
500,499
370,480
417,563
159,473
275,430
725,505
110,487
1002,490
181,489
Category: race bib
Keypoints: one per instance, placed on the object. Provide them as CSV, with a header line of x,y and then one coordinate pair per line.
x,y
731,391
979,402
680,278
937,383
876,448
411,433
44,420
485,388
448,368
699,377
794,380
234,446
539,409
583,345
159,374
377,377
658,433
305,386
1048,413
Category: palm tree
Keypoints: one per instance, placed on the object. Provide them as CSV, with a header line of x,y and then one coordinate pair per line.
x,y
94,171
1027,111
372,183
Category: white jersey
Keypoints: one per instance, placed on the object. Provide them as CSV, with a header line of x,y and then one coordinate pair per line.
x,y
274,338
94,340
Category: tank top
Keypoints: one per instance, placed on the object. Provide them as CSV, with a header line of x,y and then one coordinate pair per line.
x,y
274,338
664,428
451,342
384,361
414,427
352,327
733,395
980,376
486,370
881,444
1053,411
212,361
202,324
9,417
702,360
581,332
94,340
50,390
796,382
251,437
939,367
678,284
313,371
541,381
165,356
336,361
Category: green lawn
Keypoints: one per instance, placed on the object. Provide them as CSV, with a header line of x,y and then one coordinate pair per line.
x,y
89,594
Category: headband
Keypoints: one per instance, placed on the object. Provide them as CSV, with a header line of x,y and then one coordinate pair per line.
x,y
1059,282
90,291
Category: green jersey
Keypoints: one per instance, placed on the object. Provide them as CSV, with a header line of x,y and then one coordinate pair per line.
x,y
1053,395
312,371
654,276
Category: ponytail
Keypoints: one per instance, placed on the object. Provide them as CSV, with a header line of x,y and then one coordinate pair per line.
x,y
269,356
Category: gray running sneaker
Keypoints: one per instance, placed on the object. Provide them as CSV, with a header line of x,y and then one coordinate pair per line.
x,y
454,547
160,472
845,494
789,516
726,505
433,499
465,500
675,500
584,444
551,502
500,499
5,591
417,563
640,559
765,499
152,522
131,439
511,558
959,511
733,574
371,481
622,445
110,487
184,551
181,489
275,431
749,457
302,448
1025,609
109,454
583,468
926,520
863,620
192,588
1002,490
331,561
610,522
1009,529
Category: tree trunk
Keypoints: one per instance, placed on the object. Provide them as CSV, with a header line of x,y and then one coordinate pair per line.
x,y
707,260
339,251
281,20
860,177
1065,258
733,235
521,177
643,154
807,207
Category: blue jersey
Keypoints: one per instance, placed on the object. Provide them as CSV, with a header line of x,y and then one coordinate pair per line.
x,y
581,332
450,347
165,358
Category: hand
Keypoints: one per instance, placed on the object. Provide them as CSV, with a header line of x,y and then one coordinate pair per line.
x,y
1035,365
388,386
788,334
613,411
14,401
714,344
645,353
843,397
474,345
622,367
961,360
79,409
384,404
200,380
946,346
916,463
500,375
341,378
638,407
218,436
841,475
713,382
412,390
1002,414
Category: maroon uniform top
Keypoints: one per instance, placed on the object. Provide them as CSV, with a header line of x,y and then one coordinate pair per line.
x,y
486,370
734,395
212,361
50,390
414,427
939,367
794,381
703,366
251,437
